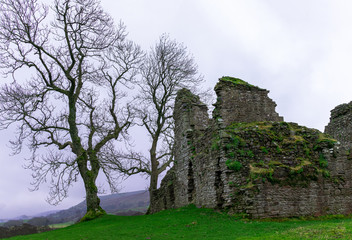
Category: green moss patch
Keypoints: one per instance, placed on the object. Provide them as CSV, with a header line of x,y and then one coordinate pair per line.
x,y
237,81
90,215
279,152
234,165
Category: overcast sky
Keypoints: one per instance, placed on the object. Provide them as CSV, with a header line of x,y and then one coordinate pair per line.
x,y
300,50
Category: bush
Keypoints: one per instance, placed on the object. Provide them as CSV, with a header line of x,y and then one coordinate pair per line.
x,y
39,221
233,165
322,161
12,223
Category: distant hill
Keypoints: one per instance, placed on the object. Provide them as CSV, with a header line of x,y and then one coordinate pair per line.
x,y
44,214
131,203
25,217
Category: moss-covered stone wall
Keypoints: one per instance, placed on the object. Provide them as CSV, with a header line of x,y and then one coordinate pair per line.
x,y
239,101
260,166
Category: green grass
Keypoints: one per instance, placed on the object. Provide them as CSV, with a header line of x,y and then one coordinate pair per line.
x,y
238,81
61,225
235,81
193,223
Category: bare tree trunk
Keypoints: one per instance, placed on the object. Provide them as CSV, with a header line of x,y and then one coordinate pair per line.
x,y
153,187
153,190
92,200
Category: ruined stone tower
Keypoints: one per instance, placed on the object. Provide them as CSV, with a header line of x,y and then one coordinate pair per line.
x,y
340,125
190,116
239,101
247,160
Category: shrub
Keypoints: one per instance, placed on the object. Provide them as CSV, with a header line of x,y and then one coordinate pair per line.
x,y
250,154
233,165
322,161
231,155
215,146
264,150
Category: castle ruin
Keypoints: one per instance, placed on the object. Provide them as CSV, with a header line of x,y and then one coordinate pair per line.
x,y
247,160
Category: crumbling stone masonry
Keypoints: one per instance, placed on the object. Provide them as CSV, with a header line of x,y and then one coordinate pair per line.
x,y
247,160
340,126
238,101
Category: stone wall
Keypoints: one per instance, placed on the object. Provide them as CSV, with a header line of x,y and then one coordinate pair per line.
x,y
178,186
287,170
332,195
262,167
340,125
238,101
190,116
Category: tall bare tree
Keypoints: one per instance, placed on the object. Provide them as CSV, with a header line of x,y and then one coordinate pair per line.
x,y
167,68
68,63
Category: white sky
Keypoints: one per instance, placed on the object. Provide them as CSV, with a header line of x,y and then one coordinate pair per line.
x,y
300,50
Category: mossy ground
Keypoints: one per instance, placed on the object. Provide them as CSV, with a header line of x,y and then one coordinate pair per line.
x,y
193,223
90,215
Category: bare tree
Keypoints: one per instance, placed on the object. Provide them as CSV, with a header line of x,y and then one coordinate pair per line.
x,y
166,69
66,91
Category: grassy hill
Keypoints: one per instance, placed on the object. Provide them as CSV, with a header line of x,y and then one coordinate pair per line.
x,y
130,203
194,223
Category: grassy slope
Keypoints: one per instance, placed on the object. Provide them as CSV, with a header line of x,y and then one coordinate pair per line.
x,y
193,223
61,225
